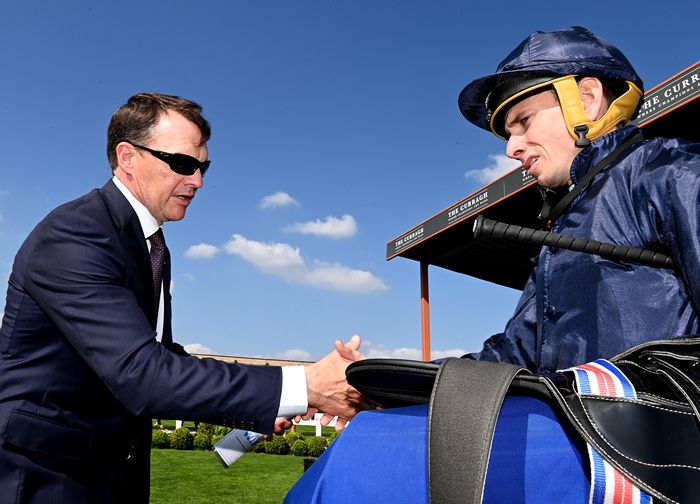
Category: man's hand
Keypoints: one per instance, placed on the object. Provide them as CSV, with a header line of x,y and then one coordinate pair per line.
x,y
327,388
281,425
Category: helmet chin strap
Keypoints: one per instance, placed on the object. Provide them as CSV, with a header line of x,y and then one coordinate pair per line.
x,y
580,127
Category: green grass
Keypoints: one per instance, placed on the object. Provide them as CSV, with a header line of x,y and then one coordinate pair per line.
x,y
195,477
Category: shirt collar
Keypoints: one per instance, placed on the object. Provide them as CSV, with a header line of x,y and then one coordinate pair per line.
x,y
149,224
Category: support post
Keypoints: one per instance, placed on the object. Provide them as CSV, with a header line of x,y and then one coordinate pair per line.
x,y
425,310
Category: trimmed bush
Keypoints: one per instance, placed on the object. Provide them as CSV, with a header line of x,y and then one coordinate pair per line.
x,y
182,439
160,439
299,448
207,429
277,446
201,441
260,447
292,437
220,430
316,445
216,438
333,437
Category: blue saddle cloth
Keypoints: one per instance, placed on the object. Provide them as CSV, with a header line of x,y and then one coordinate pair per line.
x,y
382,457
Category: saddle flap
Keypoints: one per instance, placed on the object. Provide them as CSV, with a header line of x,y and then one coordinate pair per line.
x,y
656,447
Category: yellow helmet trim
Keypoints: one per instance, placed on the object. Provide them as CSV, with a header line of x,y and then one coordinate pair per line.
x,y
577,122
580,127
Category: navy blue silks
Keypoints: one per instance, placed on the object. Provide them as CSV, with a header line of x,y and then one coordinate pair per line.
x,y
578,307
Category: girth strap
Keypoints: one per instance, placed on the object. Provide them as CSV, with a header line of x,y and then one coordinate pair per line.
x,y
464,407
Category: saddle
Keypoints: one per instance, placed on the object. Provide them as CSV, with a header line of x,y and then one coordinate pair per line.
x,y
653,439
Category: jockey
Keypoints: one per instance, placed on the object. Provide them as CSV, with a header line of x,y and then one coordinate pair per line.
x,y
563,101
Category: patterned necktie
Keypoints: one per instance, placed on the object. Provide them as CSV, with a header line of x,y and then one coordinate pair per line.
x,y
157,256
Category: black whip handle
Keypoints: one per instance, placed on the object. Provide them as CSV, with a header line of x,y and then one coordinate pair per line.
x,y
485,228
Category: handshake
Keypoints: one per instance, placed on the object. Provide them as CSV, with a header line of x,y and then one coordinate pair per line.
x,y
328,390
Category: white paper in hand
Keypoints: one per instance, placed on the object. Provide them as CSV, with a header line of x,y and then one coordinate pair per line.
x,y
235,444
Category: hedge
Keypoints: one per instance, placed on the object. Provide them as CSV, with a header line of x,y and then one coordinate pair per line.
x,y
160,439
182,439
208,435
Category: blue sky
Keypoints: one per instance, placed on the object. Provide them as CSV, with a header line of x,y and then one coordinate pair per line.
x,y
335,129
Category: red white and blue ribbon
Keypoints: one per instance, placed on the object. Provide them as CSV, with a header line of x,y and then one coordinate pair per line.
x,y
608,485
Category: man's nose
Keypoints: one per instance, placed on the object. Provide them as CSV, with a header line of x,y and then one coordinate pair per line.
x,y
515,146
195,180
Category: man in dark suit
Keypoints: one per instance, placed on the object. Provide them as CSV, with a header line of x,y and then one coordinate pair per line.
x,y
86,351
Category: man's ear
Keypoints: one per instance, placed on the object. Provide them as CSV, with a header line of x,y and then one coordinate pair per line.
x,y
592,97
125,157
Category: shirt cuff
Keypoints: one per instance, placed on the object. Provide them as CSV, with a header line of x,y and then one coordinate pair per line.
x,y
293,400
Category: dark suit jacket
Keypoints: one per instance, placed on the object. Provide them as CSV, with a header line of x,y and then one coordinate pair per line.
x,y
81,373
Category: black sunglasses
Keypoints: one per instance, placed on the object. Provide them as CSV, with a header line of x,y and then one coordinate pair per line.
x,y
181,164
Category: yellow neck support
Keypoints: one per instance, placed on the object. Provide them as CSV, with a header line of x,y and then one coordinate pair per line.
x,y
577,122
580,127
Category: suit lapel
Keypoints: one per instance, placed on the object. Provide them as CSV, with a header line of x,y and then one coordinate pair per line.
x,y
130,235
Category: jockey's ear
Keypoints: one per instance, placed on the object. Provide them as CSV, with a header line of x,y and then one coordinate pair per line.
x,y
592,97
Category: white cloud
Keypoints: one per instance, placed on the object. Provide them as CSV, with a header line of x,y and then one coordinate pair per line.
x,y
202,251
284,261
279,259
373,351
370,350
2,219
501,164
4,192
338,277
332,227
295,354
452,352
278,200
188,276
198,348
